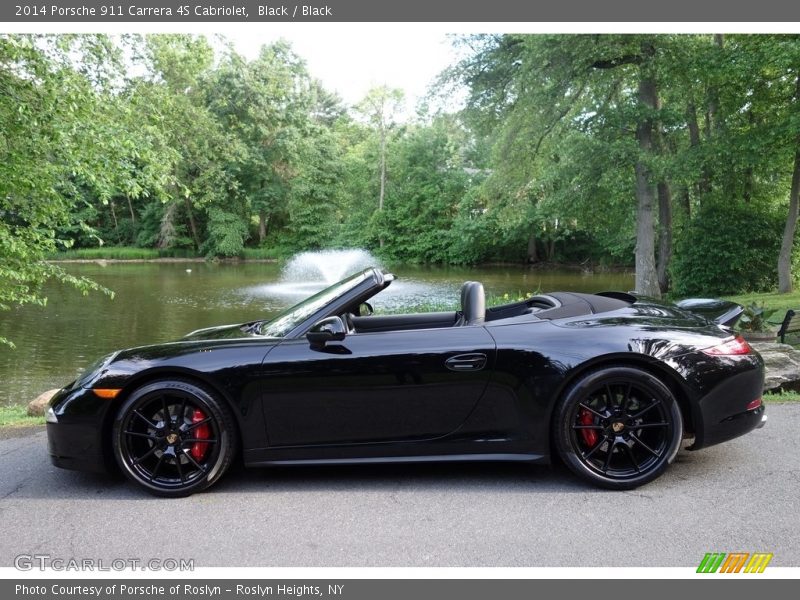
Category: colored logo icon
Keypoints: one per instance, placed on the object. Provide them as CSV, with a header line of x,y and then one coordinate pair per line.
x,y
735,562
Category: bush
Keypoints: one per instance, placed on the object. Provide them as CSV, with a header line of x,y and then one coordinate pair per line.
x,y
227,233
727,249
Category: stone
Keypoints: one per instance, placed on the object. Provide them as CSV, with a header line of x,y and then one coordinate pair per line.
x,y
782,363
37,406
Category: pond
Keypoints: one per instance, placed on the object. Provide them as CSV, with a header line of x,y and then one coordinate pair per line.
x,y
157,302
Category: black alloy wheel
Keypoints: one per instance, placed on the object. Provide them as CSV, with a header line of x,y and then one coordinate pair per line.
x,y
174,438
618,427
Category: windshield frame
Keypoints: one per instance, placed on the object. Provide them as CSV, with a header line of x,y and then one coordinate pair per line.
x,y
327,302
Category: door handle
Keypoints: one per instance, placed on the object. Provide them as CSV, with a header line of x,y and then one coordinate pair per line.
x,y
466,362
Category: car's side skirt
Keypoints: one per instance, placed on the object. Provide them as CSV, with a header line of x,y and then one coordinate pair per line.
x,y
532,458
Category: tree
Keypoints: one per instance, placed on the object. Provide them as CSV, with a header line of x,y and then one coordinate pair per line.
x,y
588,148
430,177
171,99
542,88
791,51
265,103
44,108
380,107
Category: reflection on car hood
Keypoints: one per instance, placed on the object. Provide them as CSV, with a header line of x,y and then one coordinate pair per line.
x,y
222,332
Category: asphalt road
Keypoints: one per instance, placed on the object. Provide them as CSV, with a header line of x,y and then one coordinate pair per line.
x,y
740,496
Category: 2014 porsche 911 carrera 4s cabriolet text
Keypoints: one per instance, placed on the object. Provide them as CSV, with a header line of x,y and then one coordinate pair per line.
x,y
611,383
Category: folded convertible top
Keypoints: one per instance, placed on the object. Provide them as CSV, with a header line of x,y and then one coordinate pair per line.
x,y
574,305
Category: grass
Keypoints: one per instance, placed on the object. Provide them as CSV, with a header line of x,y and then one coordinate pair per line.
x,y
781,302
16,416
781,397
133,253
122,253
260,254
772,300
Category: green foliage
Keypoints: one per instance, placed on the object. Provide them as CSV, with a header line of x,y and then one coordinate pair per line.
x,y
157,142
43,162
269,254
781,397
727,248
428,179
121,253
226,233
755,317
17,416
780,302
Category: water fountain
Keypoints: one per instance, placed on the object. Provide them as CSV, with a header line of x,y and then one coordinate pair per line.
x,y
309,272
327,266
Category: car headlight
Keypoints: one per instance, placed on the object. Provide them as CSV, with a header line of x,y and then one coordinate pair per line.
x,y
50,415
93,370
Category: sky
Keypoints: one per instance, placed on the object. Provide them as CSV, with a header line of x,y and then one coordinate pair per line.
x,y
351,64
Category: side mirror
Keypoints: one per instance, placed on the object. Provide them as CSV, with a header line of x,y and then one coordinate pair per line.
x,y
330,329
365,309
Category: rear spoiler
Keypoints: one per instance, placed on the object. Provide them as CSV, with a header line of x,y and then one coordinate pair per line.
x,y
721,312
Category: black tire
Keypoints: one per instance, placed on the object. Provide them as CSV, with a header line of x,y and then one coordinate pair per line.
x,y
164,455
618,427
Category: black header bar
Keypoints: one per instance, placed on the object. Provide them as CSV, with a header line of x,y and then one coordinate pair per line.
x,y
442,11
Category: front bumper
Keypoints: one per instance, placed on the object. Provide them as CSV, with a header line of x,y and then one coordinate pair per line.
x,y
78,439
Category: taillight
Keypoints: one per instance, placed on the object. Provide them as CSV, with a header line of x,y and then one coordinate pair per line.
x,y
732,347
754,404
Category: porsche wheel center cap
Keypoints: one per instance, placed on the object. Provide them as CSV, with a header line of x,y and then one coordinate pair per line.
x,y
172,438
617,426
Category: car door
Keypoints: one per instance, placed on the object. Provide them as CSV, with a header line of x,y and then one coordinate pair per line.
x,y
375,387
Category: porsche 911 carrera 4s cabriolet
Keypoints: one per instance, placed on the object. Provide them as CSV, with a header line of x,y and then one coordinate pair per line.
x,y
610,383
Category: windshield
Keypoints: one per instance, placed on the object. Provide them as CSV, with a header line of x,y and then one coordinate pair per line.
x,y
294,316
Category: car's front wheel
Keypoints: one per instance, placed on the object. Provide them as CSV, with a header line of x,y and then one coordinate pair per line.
x,y
174,437
618,427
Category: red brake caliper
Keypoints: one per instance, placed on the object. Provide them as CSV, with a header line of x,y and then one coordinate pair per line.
x,y
589,435
201,432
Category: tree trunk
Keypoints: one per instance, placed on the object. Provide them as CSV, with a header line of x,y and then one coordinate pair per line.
x,y
704,185
262,226
686,201
646,276
192,223
130,208
787,244
749,182
383,174
747,193
664,235
713,124
664,210
532,255
785,256
113,215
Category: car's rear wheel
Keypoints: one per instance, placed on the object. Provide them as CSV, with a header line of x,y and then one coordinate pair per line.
x,y
618,427
174,437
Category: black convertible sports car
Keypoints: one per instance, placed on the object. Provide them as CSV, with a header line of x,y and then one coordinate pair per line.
x,y
611,383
